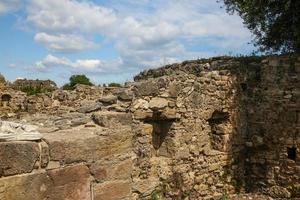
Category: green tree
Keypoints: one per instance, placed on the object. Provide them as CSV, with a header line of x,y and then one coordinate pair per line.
x,y
77,79
274,23
114,85
2,79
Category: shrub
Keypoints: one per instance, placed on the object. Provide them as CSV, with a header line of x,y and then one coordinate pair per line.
x,y
2,79
67,87
77,79
33,90
114,85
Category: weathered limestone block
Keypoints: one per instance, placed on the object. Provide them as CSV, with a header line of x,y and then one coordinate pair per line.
x,y
18,157
112,190
78,145
145,186
140,104
88,107
125,95
147,88
71,119
109,119
158,103
108,99
142,114
70,183
112,170
169,113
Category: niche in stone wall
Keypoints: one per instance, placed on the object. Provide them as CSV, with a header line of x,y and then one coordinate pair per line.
x,y
292,153
220,130
244,87
161,130
5,99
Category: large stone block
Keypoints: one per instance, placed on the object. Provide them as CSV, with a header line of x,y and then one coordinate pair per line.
x,y
112,170
113,190
87,145
18,157
158,103
147,88
109,119
70,183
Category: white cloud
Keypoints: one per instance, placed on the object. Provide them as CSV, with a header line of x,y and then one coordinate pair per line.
x,y
87,65
66,15
63,42
12,65
9,6
144,33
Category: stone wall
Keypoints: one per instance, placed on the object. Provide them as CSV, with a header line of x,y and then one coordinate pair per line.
x,y
223,126
203,129
11,101
22,84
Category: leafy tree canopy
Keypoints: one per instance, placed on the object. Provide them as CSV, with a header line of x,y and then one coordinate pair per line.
x,y
114,85
274,23
2,79
77,79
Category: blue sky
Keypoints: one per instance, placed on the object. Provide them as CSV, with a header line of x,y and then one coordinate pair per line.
x,y
112,40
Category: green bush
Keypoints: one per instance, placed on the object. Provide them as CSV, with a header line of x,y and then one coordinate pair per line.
x,y
77,79
67,87
2,79
33,90
154,196
114,85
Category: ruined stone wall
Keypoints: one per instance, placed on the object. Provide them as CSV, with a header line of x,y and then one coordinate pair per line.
x,y
21,84
200,129
186,134
11,101
224,126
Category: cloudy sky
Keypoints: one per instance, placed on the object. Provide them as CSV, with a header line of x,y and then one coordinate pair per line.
x,y
112,40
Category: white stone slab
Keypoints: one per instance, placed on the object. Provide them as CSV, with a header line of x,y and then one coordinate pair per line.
x,y
11,131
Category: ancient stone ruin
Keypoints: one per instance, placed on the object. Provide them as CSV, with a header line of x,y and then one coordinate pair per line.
x,y
219,128
46,85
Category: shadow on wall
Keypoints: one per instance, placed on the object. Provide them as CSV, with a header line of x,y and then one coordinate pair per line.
x,y
161,130
265,141
5,99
